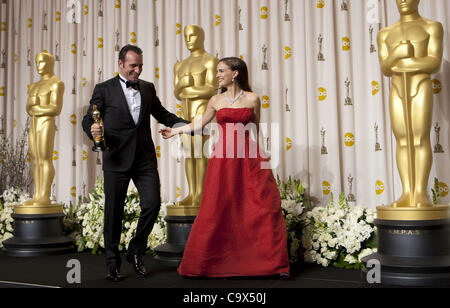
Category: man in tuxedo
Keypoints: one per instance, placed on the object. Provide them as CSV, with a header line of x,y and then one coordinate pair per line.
x,y
126,103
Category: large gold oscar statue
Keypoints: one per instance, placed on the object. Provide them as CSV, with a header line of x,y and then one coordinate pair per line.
x,y
45,100
413,246
410,51
38,223
195,83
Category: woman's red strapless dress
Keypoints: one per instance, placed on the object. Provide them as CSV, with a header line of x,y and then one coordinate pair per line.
x,y
240,229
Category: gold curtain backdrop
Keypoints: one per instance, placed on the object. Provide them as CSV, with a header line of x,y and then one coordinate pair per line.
x,y
314,63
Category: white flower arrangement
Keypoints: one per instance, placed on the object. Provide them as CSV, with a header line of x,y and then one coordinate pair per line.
x,y
293,203
338,234
8,200
86,221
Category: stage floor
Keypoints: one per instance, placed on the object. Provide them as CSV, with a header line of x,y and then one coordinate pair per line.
x,y
52,271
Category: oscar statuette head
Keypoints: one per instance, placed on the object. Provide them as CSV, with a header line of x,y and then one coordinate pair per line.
x,y
406,7
45,63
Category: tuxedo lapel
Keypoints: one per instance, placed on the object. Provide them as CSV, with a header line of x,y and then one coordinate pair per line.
x,y
145,102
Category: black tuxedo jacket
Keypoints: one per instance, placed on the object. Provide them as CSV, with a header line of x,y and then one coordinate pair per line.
x,y
122,135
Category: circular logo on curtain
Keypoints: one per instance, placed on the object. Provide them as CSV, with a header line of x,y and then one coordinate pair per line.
x,y
157,73
158,151
443,189
58,16
28,159
288,144
15,123
217,20
73,191
73,48
179,110
322,94
436,85
349,139
55,155
73,119
375,88
86,10
287,52
379,187
2,91
100,42
85,155
266,102
320,4
30,23
346,44
133,38
84,83
16,58
3,26
178,27
117,4
264,12
178,192
326,188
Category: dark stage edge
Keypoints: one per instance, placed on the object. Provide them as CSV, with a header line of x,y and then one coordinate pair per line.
x,y
52,271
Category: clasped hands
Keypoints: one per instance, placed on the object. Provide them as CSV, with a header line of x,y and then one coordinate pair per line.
x,y
186,81
403,51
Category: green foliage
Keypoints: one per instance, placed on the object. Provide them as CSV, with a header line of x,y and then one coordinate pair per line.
x,y
436,192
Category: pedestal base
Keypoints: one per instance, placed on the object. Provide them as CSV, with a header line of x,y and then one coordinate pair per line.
x,y
413,253
38,235
178,229
414,272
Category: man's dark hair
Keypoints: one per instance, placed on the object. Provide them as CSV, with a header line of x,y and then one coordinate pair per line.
x,y
128,48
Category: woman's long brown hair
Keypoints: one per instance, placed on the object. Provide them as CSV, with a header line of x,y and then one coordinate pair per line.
x,y
236,64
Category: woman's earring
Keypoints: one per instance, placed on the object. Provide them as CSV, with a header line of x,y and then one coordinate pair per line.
x,y
232,80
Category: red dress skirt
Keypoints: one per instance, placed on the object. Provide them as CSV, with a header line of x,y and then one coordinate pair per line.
x,y
240,229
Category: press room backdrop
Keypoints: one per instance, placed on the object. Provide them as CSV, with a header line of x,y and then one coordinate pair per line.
x,y
314,63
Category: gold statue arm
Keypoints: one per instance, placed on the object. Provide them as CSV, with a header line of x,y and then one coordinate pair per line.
x,y
185,86
181,83
389,58
53,108
431,62
199,122
32,101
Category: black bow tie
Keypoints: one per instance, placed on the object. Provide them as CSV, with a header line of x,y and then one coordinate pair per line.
x,y
134,85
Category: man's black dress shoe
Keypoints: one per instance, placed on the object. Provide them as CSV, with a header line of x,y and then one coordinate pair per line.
x,y
138,264
114,275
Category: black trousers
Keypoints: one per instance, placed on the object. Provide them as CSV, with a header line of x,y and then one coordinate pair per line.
x,y
146,179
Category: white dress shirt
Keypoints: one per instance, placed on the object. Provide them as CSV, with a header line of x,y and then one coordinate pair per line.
x,y
133,99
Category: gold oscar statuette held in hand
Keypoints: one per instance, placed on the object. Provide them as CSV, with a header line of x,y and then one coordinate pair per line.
x,y
99,142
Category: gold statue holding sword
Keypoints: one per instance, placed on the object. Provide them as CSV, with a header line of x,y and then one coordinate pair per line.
x,y
410,51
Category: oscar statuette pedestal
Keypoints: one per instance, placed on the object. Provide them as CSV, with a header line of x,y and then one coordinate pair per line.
x,y
179,223
38,231
413,246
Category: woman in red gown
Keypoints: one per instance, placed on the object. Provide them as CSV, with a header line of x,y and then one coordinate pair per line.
x,y
240,229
